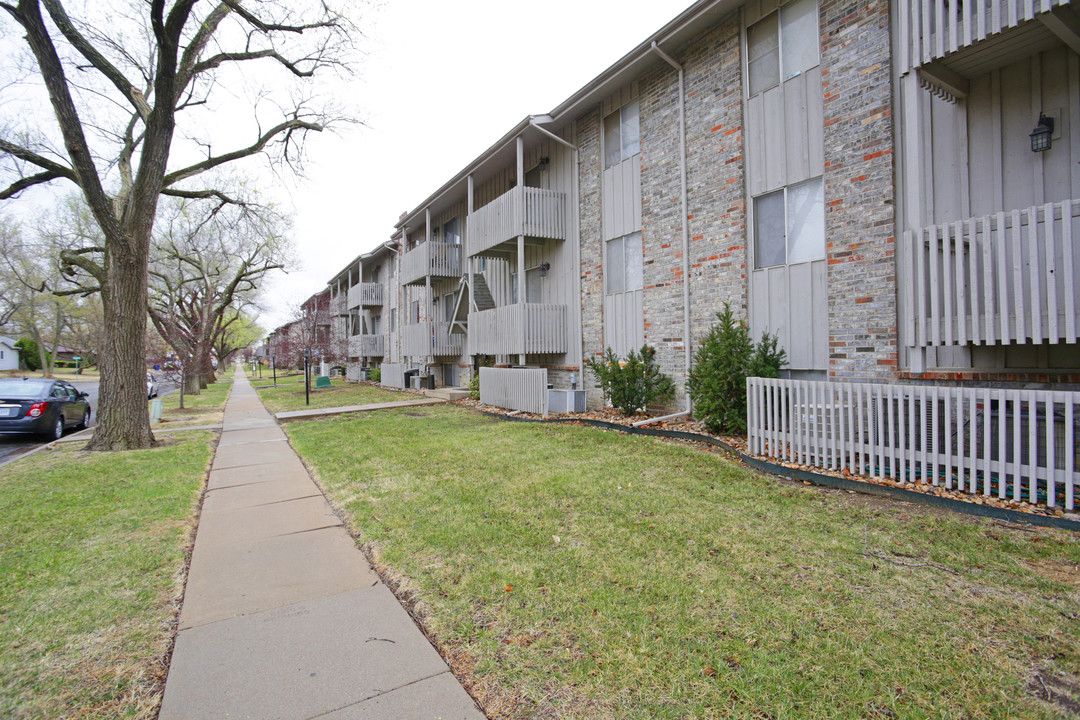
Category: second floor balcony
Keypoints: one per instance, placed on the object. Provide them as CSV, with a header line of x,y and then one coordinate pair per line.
x,y
527,211
1010,278
434,259
367,346
366,295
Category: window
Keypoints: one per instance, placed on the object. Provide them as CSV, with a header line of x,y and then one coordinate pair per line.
x,y
624,267
393,319
782,45
789,225
449,302
533,288
376,325
451,233
622,136
414,312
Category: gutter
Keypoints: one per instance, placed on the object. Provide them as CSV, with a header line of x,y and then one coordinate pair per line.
x,y
688,356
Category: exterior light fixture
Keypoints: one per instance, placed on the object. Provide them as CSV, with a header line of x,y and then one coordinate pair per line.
x,y
1041,136
544,267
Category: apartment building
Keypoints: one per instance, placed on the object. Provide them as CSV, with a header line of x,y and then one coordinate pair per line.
x,y
890,187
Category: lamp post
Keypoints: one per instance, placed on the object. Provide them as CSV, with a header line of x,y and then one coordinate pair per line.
x,y
273,368
307,377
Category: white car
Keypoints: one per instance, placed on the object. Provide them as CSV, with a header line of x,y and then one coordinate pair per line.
x,y
151,386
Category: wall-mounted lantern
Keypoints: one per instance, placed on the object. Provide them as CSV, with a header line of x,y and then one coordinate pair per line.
x,y
542,165
544,267
1042,135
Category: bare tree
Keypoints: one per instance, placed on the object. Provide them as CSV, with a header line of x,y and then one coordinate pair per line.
x,y
204,270
122,83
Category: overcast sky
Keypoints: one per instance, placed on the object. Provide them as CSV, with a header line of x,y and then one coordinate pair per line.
x,y
441,82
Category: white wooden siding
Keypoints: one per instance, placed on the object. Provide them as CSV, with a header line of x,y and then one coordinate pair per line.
x,y
932,29
1017,444
621,199
624,322
791,302
523,389
371,346
436,259
522,328
785,133
1004,278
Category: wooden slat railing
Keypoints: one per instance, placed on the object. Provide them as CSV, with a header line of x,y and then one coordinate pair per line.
x,y
529,328
437,259
931,29
366,295
371,345
1009,278
523,389
430,339
520,211
392,375
1016,444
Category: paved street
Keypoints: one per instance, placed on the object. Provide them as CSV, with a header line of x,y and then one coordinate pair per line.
x,y
12,446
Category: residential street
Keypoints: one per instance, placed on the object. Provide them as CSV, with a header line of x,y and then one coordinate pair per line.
x,y
12,446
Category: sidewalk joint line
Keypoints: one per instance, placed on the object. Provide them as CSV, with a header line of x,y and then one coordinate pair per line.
x,y
378,693
279,502
301,532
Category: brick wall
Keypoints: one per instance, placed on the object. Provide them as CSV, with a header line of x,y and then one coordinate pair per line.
x,y
859,213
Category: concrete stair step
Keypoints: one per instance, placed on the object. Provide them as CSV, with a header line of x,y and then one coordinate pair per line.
x,y
449,394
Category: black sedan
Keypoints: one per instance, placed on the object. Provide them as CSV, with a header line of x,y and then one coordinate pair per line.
x,y
37,405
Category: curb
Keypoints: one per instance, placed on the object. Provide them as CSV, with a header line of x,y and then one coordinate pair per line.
x,y
864,488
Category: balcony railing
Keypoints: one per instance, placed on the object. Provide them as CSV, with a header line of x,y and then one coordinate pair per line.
x,y
430,339
1009,278
930,29
530,328
366,295
521,211
437,259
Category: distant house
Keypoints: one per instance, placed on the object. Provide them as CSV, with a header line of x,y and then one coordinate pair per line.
x,y
9,354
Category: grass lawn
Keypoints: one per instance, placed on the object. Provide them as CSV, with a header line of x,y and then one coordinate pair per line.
x,y
289,395
206,408
573,572
91,555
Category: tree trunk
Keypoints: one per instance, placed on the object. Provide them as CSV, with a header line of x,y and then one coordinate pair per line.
x,y
123,421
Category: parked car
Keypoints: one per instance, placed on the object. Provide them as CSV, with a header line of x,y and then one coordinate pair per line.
x,y
151,386
41,405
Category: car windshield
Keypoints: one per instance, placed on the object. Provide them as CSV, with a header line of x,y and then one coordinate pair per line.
x,y
15,389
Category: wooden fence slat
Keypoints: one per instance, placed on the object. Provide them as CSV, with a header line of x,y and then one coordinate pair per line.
x,y
1034,276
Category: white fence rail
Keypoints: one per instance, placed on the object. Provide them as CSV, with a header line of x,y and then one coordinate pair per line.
x,y
430,339
1016,444
434,258
1002,278
930,29
372,345
520,211
529,328
393,375
523,389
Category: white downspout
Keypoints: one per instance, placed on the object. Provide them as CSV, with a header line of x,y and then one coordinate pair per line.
x,y
688,354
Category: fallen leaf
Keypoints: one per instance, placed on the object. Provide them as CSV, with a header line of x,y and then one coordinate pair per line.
x,y
509,588
708,671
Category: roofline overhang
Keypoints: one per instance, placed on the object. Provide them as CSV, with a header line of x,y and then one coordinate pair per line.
x,y
688,23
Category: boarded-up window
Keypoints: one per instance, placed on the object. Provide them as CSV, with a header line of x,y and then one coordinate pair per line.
x,y
624,263
622,134
782,45
789,225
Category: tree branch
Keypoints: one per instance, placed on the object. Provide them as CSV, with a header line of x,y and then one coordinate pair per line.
x,y
19,185
286,127
217,60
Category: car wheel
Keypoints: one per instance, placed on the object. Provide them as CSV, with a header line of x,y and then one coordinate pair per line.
x,y
57,430
85,420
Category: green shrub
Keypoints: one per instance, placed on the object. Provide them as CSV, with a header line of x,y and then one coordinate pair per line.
x,y
632,384
723,361
474,387
29,354
375,375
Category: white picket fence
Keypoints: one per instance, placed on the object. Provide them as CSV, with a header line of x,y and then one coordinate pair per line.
x,y
523,389
1016,444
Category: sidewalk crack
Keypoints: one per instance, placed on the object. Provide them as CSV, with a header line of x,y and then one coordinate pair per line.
x,y
377,693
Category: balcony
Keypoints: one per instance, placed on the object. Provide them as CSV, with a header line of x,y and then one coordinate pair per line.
x,y
430,339
932,29
530,329
1008,278
435,259
368,346
527,211
366,295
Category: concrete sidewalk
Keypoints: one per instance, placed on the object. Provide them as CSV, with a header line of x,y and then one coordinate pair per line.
x,y
282,615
